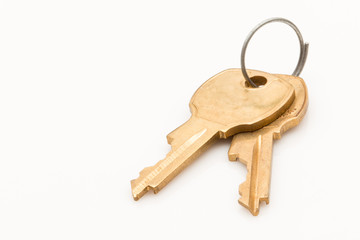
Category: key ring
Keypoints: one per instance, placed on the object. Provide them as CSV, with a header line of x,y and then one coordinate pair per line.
x,y
303,48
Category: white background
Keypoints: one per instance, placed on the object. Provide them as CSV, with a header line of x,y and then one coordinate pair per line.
x,y
90,89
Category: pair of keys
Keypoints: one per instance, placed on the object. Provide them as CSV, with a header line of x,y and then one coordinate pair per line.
x,y
233,104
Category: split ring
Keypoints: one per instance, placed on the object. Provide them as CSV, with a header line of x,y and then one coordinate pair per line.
x,y
303,48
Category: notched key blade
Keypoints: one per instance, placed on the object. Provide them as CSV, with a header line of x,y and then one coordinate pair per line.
x,y
139,190
187,142
253,151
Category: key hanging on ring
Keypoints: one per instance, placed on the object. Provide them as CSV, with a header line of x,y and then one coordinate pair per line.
x,y
254,149
231,103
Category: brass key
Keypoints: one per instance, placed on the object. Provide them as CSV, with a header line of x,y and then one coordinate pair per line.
x,y
221,107
254,149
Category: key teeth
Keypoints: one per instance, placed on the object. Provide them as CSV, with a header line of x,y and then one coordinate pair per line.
x,y
139,194
170,139
136,195
137,191
233,157
254,208
245,199
172,142
241,189
144,171
265,199
253,211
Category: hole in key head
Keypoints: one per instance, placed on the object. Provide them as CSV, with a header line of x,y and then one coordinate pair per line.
x,y
258,80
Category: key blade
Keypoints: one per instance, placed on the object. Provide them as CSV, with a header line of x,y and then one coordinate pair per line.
x,y
187,142
137,191
254,151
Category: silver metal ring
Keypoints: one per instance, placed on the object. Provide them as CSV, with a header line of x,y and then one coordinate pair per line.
x,y
303,48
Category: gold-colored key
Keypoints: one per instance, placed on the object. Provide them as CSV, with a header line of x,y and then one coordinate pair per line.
x,y
254,149
223,106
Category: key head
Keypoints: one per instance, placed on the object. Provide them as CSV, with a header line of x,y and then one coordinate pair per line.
x,y
226,99
296,112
